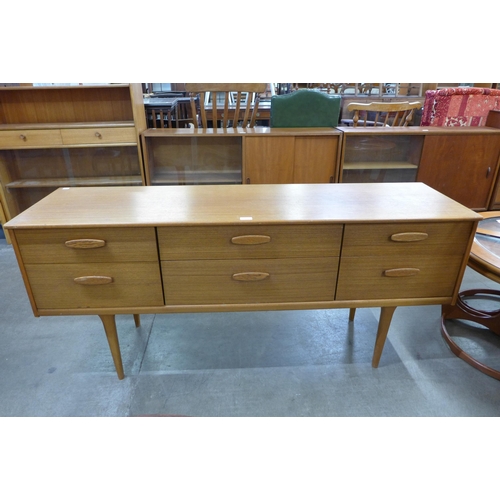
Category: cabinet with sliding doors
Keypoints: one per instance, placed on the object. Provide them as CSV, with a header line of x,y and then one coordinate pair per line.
x,y
55,136
460,162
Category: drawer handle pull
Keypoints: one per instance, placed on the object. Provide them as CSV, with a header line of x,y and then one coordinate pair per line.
x,y
93,280
98,135
409,236
251,276
250,239
402,271
85,243
22,137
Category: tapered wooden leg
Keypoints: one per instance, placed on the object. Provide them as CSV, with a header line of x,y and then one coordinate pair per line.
x,y
384,323
137,320
352,312
108,320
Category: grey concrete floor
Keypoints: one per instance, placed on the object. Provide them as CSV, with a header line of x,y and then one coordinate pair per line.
x,y
285,363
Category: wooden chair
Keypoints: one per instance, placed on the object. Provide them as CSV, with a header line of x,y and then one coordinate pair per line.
x,y
240,103
387,114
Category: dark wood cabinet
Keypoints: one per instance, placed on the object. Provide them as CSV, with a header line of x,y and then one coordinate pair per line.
x,y
461,166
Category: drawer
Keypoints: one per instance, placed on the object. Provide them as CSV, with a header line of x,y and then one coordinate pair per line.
x,y
220,242
249,281
59,246
390,239
131,284
16,139
397,277
99,135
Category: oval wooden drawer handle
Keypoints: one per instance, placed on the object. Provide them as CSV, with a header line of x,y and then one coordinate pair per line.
x,y
98,135
93,280
409,236
250,239
85,243
402,271
250,276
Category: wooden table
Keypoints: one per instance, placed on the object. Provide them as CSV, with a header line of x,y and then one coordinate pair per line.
x,y
151,250
163,106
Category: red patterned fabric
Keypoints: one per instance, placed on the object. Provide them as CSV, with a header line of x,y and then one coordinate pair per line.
x,y
459,106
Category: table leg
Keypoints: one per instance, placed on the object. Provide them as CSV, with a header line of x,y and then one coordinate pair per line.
x,y
109,323
384,323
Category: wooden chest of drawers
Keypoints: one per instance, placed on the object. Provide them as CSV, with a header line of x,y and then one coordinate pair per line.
x,y
81,268
250,264
21,138
404,260
136,250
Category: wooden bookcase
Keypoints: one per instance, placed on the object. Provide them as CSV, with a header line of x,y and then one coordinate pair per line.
x,y
54,137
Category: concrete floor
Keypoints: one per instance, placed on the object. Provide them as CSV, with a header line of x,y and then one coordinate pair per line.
x,y
286,363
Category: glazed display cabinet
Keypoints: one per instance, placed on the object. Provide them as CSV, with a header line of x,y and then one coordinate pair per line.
x,y
451,160
259,155
53,137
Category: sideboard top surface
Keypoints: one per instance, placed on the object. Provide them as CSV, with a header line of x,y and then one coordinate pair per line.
x,y
240,204
240,131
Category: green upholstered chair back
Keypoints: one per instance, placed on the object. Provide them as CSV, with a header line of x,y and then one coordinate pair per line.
x,y
305,108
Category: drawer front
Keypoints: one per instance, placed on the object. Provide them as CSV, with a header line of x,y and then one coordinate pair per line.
x,y
99,135
397,277
449,238
17,139
75,286
249,281
232,242
59,246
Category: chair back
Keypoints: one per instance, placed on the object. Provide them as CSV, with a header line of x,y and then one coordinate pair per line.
x,y
383,114
238,106
305,108
459,106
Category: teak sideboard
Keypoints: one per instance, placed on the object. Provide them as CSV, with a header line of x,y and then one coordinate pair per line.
x,y
449,159
258,155
134,250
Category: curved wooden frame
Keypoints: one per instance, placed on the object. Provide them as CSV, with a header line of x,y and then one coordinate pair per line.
x,y
489,319
393,114
488,265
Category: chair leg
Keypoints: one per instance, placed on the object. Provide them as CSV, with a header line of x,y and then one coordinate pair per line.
x,y
137,320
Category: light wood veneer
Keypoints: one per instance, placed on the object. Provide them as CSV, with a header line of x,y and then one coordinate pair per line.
x,y
117,250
